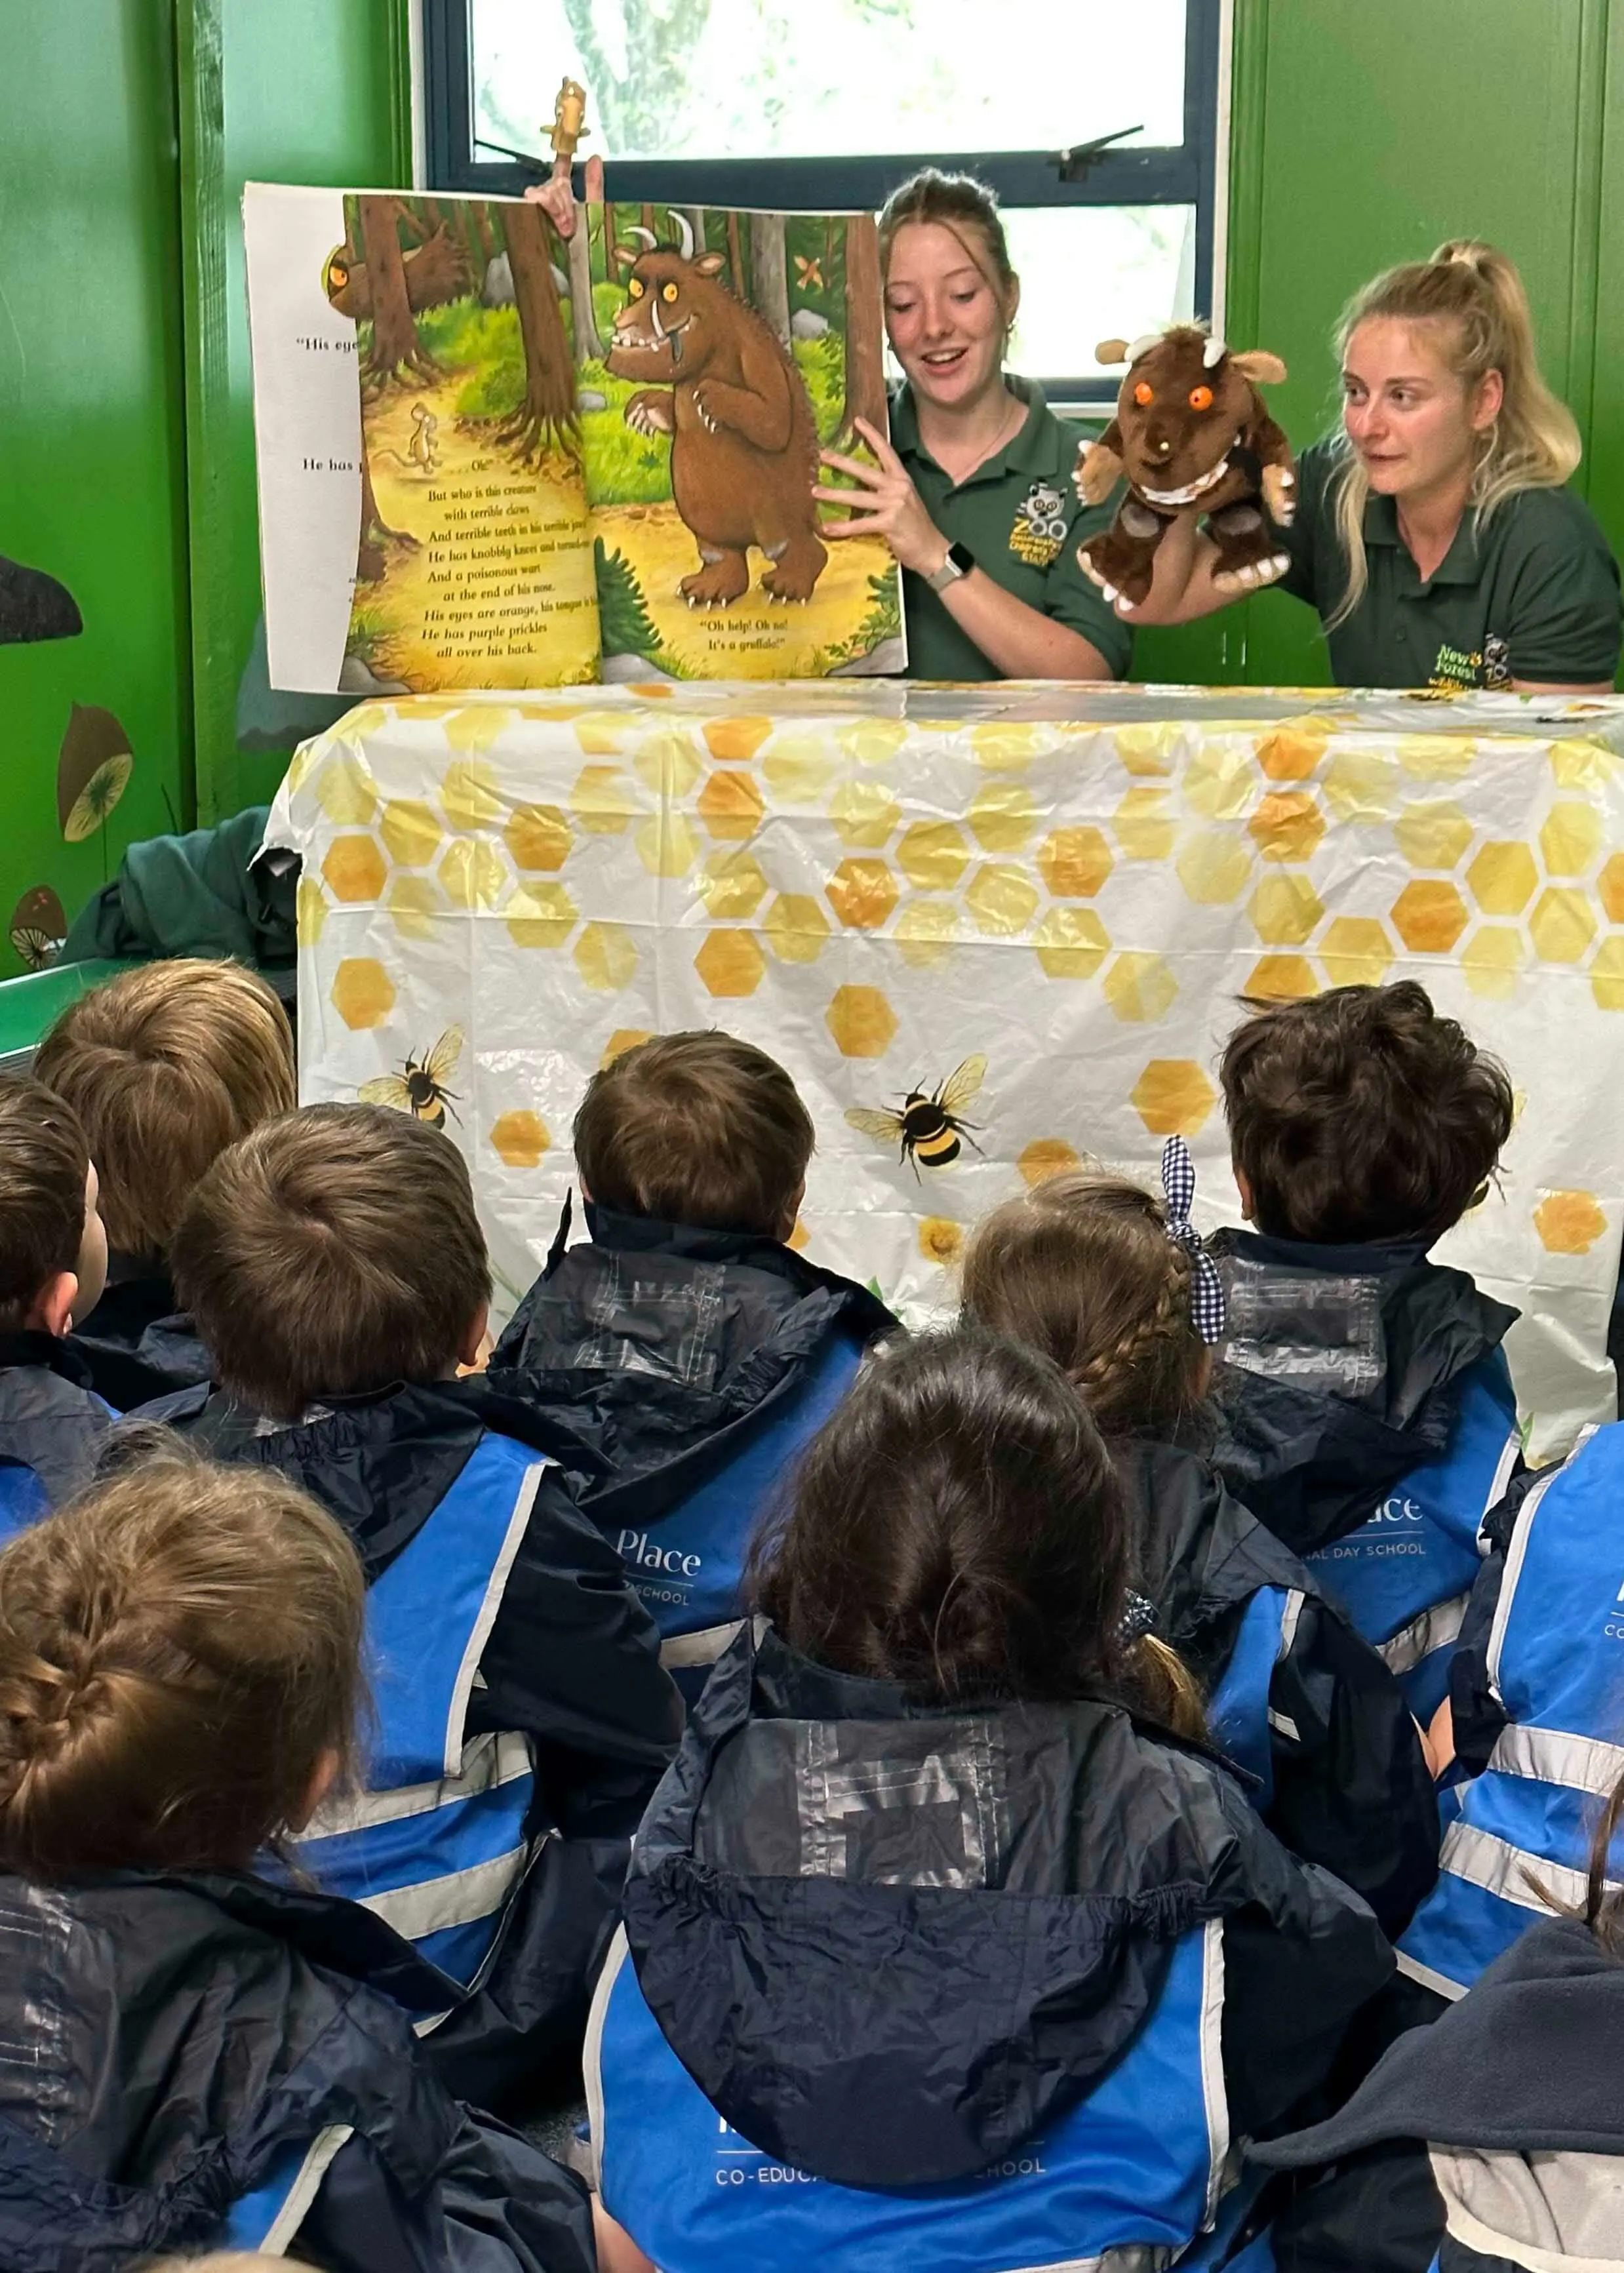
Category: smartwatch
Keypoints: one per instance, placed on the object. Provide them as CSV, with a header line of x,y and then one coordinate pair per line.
x,y
959,561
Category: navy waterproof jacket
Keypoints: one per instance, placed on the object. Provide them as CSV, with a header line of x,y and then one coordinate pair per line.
x,y
138,1342
569,1664
52,1424
184,2058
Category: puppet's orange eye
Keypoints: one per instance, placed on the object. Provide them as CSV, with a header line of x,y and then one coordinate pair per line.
x,y
634,287
1200,398
668,293
1144,394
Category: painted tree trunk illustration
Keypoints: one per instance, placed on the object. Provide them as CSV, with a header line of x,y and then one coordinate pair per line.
x,y
396,352
646,217
735,257
696,222
589,345
865,372
474,229
372,560
547,414
769,282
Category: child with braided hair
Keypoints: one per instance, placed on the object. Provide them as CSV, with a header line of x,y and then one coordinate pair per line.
x,y
1115,1287
191,2055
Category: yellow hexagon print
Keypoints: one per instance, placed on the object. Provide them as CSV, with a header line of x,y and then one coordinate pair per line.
x,y
865,814
363,992
469,797
1143,826
861,1022
310,911
1432,834
1562,925
1214,865
933,855
668,764
735,742
520,1139
345,789
1002,899
731,807
1046,1157
1289,754
540,915
1436,757
941,1239
731,884
623,1038
799,768
1429,916
1607,975
666,845
1071,943
1003,817
1492,961
1284,911
1009,746
1287,825
1218,781
476,727
605,955
353,869
873,741
411,831
1501,878
1355,951
1361,786
1074,862
1141,987
537,836
862,893
925,932
1147,750
1281,979
414,905
603,733
796,927
473,874
1570,838
731,963
603,801
1569,1223
1173,1097
1610,888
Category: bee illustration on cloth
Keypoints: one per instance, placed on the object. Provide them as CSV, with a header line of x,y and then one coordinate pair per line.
x,y
928,1126
419,1088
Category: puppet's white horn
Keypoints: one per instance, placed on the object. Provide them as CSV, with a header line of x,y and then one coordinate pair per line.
x,y
1143,345
685,234
646,235
1213,354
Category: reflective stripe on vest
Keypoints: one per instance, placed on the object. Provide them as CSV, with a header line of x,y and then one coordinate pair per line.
x,y
269,2219
687,1565
1556,1664
1404,1576
436,1844
1238,1712
1131,2179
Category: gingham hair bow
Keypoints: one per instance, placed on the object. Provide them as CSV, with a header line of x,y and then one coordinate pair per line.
x,y
1207,1303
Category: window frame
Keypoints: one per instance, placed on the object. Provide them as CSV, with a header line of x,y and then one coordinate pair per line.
x,y
1189,174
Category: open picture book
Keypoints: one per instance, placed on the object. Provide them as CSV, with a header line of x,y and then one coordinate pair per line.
x,y
490,457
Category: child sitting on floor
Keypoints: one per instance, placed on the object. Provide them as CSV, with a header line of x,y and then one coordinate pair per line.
x,y
1367,1408
166,1065
1108,1282
933,1910
337,1269
191,2056
687,1340
53,1259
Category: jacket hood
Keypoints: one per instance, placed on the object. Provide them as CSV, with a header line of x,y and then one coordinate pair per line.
x,y
138,1342
660,1346
890,1943
50,1419
1527,2064
168,2035
1336,1381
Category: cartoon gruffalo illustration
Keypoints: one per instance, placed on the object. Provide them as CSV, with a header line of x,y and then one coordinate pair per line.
x,y
1191,435
743,444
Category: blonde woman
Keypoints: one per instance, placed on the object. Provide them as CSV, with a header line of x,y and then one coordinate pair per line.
x,y
1435,533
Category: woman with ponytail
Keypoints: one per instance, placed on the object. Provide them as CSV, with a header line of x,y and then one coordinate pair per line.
x,y
1435,533
935,1908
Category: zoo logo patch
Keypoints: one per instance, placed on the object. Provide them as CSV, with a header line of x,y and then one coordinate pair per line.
x,y
1456,669
1040,526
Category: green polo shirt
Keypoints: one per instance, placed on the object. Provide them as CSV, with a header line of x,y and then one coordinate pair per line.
x,y
1020,515
1533,595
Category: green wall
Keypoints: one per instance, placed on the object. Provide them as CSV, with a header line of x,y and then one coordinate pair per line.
x,y
1365,135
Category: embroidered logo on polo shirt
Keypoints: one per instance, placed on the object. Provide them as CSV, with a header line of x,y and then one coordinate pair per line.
x,y
1040,526
1456,669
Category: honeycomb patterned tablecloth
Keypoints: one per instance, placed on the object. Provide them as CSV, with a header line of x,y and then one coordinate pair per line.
x,y
878,882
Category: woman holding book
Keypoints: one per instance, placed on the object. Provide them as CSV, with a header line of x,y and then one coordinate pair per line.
x,y
973,494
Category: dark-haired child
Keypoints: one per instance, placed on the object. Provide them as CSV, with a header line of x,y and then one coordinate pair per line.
x,y
165,1065
53,1261
337,1269
191,2056
1085,1268
687,1339
941,1951
1368,1412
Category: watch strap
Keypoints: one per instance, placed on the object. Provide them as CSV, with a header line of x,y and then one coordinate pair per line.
x,y
959,561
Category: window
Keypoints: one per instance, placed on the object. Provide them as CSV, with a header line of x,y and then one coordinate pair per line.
x,y
803,105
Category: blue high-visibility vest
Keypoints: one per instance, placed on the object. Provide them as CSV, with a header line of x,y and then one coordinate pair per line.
x,y
437,1842
1141,2163
23,1499
1405,1575
1555,1658
267,2219
1239,1716
687,1567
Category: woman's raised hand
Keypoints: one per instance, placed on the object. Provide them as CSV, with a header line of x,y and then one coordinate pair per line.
x,y
885,504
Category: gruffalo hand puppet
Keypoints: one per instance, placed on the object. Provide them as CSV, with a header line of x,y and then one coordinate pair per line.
x,y
743,444
1191,436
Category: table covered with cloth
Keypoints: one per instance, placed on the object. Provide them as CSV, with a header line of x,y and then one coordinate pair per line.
x,y
1040,904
